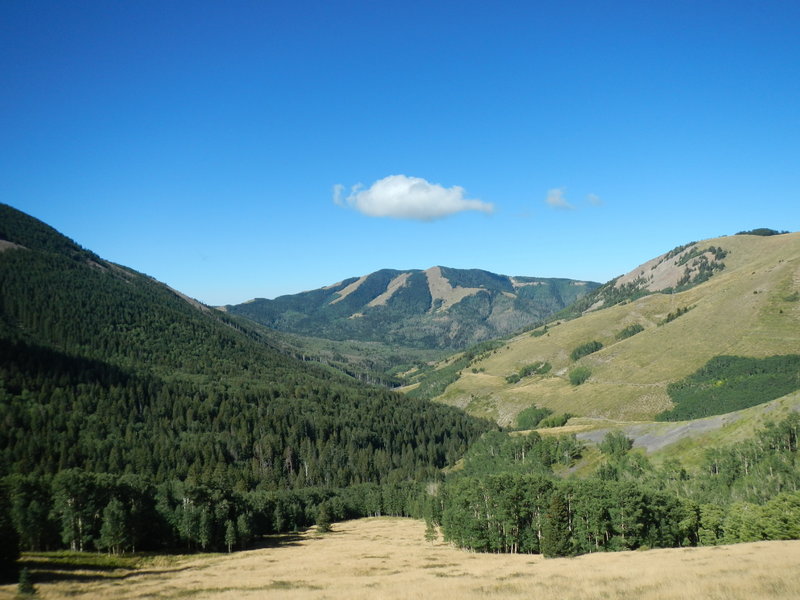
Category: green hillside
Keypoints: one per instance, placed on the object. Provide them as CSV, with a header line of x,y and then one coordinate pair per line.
x,y
136,418
749,307
440,308
119,393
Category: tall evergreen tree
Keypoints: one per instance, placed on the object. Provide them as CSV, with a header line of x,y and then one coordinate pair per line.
x,y
556,536
114,536
9,541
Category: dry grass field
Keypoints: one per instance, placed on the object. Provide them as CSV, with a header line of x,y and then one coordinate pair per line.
x,y
388,558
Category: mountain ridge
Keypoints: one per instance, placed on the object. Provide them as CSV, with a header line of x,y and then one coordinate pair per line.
x,y
439,307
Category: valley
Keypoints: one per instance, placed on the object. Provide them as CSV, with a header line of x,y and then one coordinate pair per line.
x,y
661,411
327,300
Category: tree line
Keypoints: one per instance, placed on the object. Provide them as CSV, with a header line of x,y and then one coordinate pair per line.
x,y
509,499
728,383
85,511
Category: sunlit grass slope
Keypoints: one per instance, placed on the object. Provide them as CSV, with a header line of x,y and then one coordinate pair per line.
x,y
751,308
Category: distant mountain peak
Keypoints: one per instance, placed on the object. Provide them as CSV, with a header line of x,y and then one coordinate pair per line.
x,y
439,307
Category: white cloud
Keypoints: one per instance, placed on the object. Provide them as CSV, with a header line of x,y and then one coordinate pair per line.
x,y
403,197
556,199
594,199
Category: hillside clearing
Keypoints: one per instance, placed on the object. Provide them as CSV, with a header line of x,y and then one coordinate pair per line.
x,y
388,558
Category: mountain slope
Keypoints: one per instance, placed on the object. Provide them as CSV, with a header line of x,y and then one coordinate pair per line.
x,y
751,307
436,308
105,369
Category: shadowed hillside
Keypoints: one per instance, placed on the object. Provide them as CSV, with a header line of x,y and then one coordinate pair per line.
x,y
122,401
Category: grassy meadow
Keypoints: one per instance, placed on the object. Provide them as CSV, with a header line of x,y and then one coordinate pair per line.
x,y
388,558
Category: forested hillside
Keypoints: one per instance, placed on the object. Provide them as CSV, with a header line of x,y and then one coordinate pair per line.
x,y
134,418
118,395
440,307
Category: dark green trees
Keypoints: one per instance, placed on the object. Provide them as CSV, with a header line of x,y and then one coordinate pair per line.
x,y
530,513
615,444
31,512
9,540
323,520
497,513
114,532
556,529
585,349
729,383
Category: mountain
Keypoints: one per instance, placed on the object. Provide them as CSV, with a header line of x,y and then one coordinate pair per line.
x,y
134,418
705,316
436,308
107,370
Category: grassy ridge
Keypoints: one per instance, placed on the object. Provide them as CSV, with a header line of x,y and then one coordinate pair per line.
x,y
749,309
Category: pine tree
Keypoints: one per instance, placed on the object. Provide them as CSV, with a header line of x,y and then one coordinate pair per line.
x,y
113,533
25,586
323,518
555,530
9,541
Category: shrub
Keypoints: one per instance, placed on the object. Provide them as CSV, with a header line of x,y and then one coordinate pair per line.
x,y
537,368
630,331
585,349
532,417
675,314
579,375
555,421
615,444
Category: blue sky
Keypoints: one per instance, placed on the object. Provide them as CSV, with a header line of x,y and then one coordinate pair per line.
x,y
251,149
